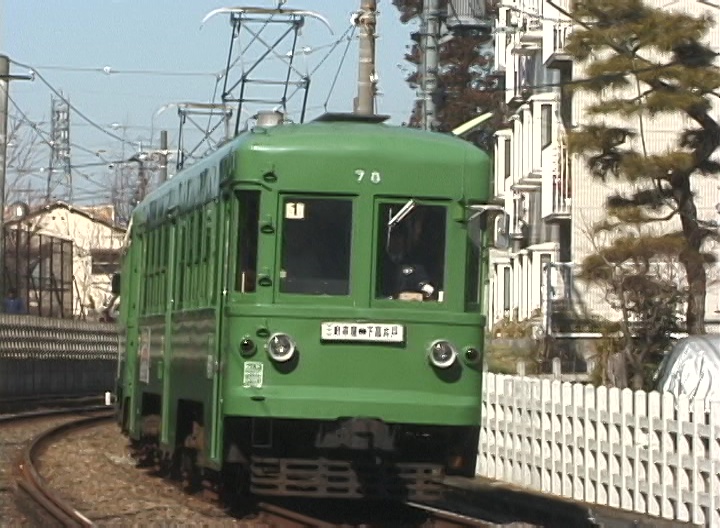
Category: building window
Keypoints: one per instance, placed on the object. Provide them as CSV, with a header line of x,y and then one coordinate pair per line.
x,y
508,158
545,259
105,261
546,124
506,289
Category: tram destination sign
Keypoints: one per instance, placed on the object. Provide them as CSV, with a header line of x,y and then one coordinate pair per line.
x,y
368,332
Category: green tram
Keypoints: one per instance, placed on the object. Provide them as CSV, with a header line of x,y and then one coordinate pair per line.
x,y
302,312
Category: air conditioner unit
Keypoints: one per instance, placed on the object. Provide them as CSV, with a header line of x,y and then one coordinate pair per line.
x,y
534,24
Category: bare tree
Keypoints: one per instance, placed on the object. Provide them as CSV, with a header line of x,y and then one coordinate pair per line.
x,y
131,183
24,154
642,278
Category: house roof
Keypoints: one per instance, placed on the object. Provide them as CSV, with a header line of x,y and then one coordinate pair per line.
x,y
103,214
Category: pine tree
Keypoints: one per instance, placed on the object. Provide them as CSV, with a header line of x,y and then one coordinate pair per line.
x,y
643,62
465,86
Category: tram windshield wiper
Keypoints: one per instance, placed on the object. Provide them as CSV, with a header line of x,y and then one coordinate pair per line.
x,y
402,213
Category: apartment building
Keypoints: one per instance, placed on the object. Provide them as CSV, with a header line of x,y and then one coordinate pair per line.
x,y
549,198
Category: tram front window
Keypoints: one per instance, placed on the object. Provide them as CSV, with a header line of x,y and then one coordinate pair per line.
x,y
315,255
411,256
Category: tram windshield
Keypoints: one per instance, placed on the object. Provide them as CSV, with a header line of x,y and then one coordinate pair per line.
x,y
411,256
316,237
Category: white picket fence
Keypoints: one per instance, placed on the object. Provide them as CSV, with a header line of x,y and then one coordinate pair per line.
x,y
638,451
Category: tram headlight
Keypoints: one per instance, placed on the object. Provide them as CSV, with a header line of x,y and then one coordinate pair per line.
x,y
280,347
442,354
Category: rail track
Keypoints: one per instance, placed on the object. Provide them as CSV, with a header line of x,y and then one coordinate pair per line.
x,y
31,488
47,507
280,517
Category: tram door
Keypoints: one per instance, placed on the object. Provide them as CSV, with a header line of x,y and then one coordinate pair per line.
x,y
223,218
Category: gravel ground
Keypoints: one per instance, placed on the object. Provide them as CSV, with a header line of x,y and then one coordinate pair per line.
x,y
93,469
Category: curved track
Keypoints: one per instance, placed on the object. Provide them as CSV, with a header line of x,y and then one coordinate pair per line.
x,y
29,481
49,508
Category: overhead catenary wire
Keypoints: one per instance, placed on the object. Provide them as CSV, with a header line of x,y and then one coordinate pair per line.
x,y
109,70
73,107
342,62
74,167
333,45
35,127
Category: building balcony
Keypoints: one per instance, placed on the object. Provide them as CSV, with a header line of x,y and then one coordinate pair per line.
x,y
557,185
554,55
529,182
561,199
518,96
532,31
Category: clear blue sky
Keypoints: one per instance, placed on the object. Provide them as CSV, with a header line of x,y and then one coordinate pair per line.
x,y
58,37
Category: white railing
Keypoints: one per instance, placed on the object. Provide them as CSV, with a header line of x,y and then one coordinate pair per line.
x,y
531,11
637,451
561,31
556,29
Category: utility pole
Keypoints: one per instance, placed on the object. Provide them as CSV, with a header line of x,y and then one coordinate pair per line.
x,y
163,156
430,37
5,79
366,19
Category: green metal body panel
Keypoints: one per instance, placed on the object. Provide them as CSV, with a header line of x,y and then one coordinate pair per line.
x,y
194,348
333,381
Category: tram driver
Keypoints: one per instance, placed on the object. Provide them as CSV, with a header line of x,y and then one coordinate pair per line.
x,y
411,248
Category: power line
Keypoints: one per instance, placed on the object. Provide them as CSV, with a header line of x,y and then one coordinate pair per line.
x,y
75,125
74,108
108,70
35,126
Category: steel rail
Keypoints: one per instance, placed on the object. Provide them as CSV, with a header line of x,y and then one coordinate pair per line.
x,y
283,518
450,519
32,483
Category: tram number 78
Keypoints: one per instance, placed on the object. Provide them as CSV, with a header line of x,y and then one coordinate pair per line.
x,y
374,176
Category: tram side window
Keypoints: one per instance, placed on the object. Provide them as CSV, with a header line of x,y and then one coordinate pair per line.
x,y
316,239
247,248
181,264
411,253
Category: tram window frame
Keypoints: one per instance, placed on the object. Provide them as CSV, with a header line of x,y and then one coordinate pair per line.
x,y
473,277
476,240
147,272
325,270
246,258
390,269
211,258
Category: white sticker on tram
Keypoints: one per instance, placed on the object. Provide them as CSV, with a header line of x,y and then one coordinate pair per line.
x,y
295,210
253,375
